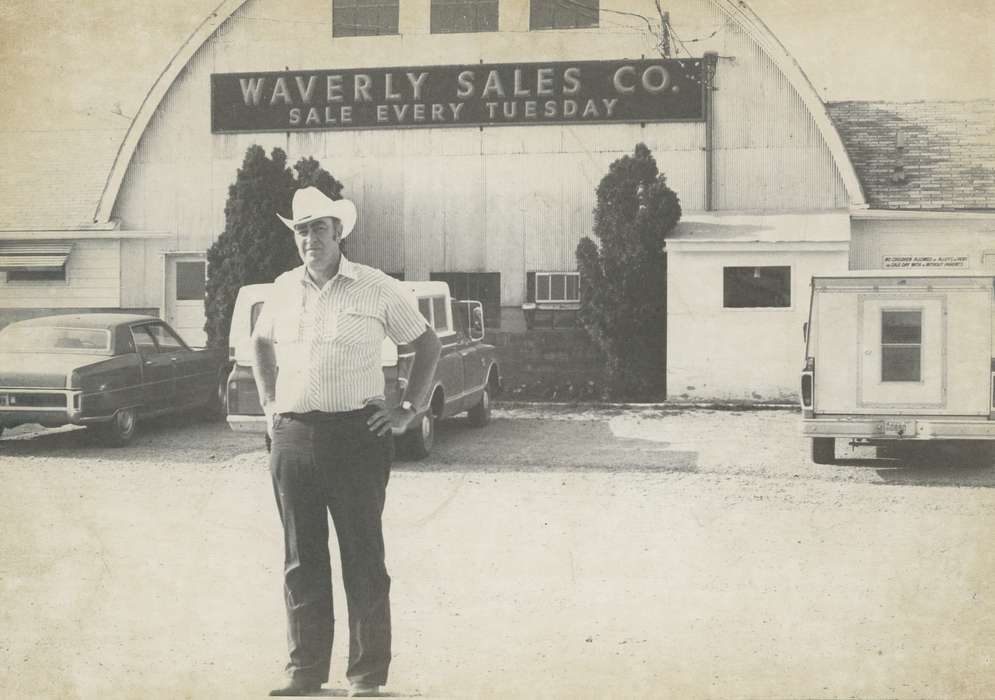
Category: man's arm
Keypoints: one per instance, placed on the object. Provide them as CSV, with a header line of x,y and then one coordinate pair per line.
x,y
427,348
264,372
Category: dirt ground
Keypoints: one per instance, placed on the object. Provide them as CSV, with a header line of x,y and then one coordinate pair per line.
x,y
556,553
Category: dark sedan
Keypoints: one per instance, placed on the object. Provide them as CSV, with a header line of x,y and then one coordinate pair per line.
x,y
104,371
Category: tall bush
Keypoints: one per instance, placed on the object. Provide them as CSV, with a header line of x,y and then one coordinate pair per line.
x,y
255,246
623,301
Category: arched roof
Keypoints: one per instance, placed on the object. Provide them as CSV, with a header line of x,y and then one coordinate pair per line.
x,y
736,10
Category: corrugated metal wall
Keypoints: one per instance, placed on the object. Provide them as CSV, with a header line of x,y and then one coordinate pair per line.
x,y
505,199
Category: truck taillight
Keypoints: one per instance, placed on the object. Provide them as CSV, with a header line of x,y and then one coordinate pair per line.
x,y
808,387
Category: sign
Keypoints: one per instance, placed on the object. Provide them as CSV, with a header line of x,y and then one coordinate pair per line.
x,y
470,95
924,262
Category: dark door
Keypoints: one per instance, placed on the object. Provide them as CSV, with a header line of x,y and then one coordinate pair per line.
x,y
192,370
484,287
158,371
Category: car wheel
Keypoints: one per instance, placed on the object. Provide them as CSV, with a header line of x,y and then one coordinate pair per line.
x,y
120,429
417,442
824,450
480,414
216,407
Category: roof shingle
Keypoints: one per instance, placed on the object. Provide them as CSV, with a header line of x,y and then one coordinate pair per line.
x,y
921,155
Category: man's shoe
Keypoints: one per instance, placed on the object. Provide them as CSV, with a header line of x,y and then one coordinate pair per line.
x,y
296,689
364,690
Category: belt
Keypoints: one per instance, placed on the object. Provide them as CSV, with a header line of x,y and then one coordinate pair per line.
x,y
327,417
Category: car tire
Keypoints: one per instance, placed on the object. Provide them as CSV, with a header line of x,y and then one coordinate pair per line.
x,y
216,407
824,450
480,414
119,430
417,442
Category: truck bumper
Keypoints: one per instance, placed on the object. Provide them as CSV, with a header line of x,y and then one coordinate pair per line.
x,y
247,424
900,428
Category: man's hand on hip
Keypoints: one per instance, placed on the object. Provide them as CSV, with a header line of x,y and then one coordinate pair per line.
x,y
394,419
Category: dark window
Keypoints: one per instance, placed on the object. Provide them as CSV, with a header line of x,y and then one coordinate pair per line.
x,y
190,281
452,16
144,343
37,275
756,287
901,346
257,309
364,17
439,314
563,14
425,306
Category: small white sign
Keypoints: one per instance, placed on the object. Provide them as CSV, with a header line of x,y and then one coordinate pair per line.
x,y
924,262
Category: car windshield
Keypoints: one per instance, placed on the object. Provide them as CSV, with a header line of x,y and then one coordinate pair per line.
x,y
38,339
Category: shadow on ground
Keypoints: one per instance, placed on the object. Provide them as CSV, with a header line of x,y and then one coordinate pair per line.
x,y
968,463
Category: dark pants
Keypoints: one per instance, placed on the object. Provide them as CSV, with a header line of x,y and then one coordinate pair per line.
x,y
329,461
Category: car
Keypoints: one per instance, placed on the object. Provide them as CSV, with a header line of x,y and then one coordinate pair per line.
x,y
466,379
104,371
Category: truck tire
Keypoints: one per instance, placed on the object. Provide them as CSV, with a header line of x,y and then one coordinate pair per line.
x,y
480,414
824,450
417,442
119,430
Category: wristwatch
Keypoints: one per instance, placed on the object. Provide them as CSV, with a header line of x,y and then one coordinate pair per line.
x,y
407,406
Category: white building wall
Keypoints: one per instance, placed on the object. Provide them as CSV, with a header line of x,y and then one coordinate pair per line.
x,y
505,199
714,353
92,275
965,235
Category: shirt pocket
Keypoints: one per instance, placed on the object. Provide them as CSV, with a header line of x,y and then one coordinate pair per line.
x,y
357,326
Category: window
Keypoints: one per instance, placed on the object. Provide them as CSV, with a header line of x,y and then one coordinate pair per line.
x,y
563,14
452,16
434,311
557,287
364,17
37,275
144,343
901,346
756,287
484,287
156,338
190,281
439,320
254,312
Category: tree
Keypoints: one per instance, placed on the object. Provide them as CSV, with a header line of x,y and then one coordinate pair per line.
x,y
623,301
255,246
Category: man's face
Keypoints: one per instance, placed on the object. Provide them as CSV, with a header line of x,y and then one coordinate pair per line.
x,y
318,242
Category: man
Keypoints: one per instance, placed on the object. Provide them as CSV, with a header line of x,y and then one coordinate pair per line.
x,y
330,429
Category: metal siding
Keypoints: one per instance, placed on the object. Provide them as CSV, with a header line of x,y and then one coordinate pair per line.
x,y
505,199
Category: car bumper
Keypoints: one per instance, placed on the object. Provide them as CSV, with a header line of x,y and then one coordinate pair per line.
x,y
901,428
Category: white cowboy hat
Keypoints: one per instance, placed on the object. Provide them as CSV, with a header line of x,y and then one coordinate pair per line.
x,y
310,203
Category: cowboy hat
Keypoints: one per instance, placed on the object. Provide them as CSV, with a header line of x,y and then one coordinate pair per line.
x,y
310,203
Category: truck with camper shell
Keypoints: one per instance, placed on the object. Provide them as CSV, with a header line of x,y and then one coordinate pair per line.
x,y
898,356
466,378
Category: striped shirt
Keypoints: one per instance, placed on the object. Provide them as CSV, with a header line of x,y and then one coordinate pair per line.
x,y
328,340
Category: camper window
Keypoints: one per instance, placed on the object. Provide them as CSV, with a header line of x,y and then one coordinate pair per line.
x,y
756,287
901,346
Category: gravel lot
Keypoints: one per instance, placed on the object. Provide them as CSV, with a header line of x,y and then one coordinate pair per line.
x,y
557,553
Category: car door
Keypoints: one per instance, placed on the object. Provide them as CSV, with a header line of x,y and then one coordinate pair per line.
x,y
474,362
158,370
191,369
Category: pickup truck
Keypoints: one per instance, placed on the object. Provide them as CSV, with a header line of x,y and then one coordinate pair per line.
x,y
895,356
466,379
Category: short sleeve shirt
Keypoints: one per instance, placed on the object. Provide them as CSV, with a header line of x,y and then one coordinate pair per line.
x,y
329,341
